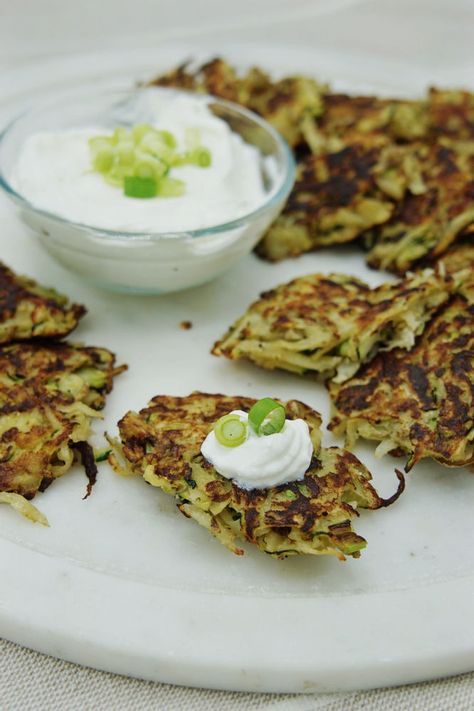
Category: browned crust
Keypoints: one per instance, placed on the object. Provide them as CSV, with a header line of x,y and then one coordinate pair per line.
x,y
39,416
285,103
422,401
429,222
166,438
48,316
451,114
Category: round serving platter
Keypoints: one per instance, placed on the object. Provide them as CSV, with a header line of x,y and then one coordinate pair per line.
x,y
123,582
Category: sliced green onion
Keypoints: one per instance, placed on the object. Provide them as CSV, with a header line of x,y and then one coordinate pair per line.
x,y
148,154
179,159
168,138
103,160
137,187
125,152
100,143
119,134
200,156
170,187
145,168
140,130
102,153
267,417
153,143
116,176
230,431
148,167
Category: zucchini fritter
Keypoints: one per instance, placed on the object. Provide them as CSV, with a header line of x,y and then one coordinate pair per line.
x,y
419,403
451,114
442,114
424,225
215,77
459,259
344,118
332,324
288,104
398,172
28,310
48,395
163,442
339,195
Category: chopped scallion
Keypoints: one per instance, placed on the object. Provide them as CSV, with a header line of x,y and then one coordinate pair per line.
x,y
148,154
170,187
267,417
138,187
200,156
230,431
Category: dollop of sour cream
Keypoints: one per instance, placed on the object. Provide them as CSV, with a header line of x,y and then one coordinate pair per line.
x,y
54,173
262,461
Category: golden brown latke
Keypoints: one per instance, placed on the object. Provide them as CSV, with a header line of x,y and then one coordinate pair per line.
x,y
337,196
443,114
404,214
215,77
450,114
419,403
48,395
287,104
459,258
28,310
423,226
331,324
346,119
163,442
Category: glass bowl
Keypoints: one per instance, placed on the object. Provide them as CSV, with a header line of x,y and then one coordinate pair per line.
x,y
146,262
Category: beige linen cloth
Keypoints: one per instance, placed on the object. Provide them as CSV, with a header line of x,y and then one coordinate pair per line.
x,y
34,682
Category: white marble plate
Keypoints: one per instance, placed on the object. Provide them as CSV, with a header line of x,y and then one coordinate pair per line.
x,y
123,582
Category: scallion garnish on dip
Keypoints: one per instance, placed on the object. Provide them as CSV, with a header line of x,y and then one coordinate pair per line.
x,y
266,417
241,447
230,430
139,160
138,187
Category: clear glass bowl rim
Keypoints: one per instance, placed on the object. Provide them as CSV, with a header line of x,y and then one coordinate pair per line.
x,y
286,179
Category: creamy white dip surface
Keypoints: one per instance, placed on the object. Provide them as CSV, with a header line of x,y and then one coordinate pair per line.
x,y
54,173
263,461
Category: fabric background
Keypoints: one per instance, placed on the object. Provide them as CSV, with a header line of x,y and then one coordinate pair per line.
x,y
32,681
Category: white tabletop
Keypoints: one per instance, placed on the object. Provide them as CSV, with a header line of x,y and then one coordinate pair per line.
x,y
428,33
437,33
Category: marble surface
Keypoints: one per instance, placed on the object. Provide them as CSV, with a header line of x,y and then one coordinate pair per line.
x,y
432,36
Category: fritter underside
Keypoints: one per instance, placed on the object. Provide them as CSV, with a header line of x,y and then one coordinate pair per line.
x,y
162,443
28,310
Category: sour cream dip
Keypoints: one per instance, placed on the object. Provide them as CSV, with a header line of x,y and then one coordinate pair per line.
x,y
262,461
54,173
